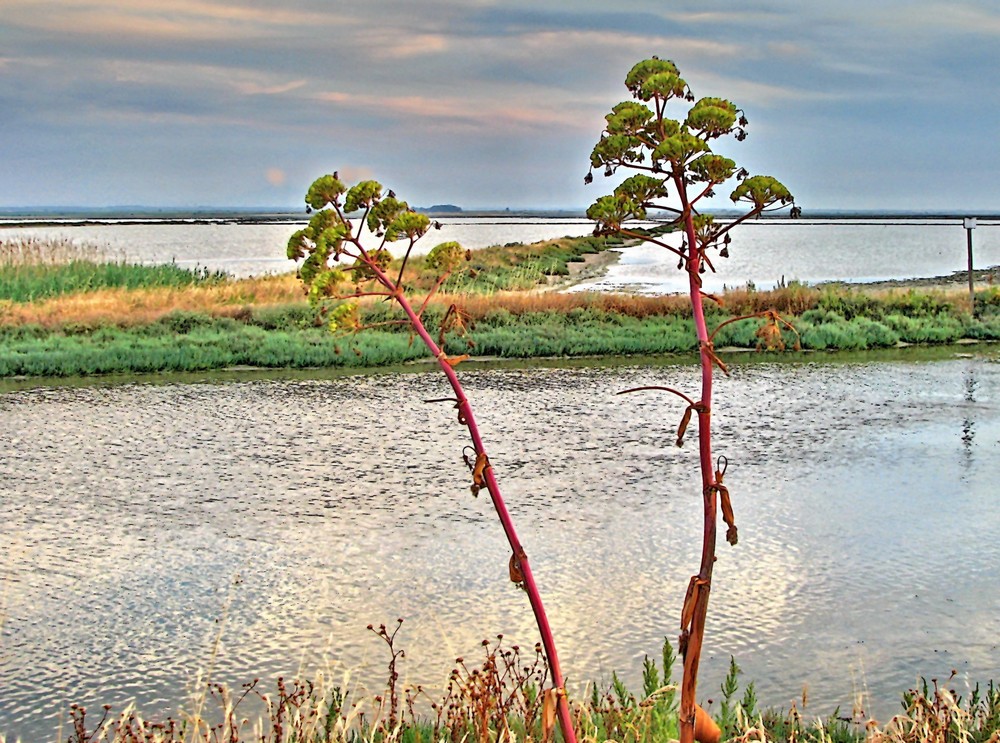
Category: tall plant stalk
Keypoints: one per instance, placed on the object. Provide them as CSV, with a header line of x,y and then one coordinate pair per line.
x,y
675,156
332,236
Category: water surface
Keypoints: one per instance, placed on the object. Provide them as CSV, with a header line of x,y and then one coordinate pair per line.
x,y
141,522
770,252
763,252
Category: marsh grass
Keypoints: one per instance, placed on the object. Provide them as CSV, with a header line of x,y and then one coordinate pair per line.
x,y
60,318
32,269
510,325
128,307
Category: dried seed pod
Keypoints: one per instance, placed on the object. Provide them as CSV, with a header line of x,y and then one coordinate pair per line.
x,y
705,728
685,420
514,568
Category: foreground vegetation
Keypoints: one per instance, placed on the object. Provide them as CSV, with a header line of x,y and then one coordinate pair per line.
x,y
497,699
197,321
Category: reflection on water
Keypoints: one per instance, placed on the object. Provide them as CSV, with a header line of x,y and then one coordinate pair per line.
x,y
132,515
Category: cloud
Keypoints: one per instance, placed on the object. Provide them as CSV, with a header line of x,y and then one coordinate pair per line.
x,y
555,43
454,113
254,88
514,90
748,92
964,18
352,174
387,44
163,19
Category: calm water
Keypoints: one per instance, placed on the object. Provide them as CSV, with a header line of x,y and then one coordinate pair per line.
x,y
254,249
135,517
813,251
762,252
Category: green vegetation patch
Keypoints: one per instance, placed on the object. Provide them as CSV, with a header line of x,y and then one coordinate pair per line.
x,y
295,336
514,266
32,269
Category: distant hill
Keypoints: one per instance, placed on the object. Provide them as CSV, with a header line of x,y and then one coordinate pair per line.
x,y
440,209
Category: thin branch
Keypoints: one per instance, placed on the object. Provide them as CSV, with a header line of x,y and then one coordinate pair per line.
x,y
752,213
663,207
402,267
771,315
356,239
731,320
433,290
777,207
704,257
381,324
711,185
358,295
646,238
671,390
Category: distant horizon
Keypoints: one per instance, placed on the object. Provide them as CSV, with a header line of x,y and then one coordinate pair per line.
x,y
141,210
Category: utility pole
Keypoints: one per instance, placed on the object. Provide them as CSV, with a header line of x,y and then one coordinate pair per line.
x,y
970,225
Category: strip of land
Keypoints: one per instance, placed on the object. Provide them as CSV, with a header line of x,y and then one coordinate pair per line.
x,y
63,313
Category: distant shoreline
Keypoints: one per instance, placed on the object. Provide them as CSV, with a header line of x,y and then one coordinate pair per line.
x,y
13,217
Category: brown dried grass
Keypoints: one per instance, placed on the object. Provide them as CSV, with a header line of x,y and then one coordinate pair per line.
x,y
125,308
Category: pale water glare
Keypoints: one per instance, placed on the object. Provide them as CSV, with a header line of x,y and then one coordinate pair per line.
x,y
255,249
763,252
768,252
142,521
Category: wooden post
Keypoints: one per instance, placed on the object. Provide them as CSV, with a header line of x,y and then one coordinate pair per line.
x,y
970,225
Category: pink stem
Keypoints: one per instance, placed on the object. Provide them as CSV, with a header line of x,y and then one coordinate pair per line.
x,y
530,587
697,633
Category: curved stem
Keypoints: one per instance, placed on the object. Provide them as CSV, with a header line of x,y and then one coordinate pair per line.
x,y
679,394
730,321
530,587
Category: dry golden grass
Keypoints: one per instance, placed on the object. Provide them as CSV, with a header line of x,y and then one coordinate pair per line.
x,y
123,307
520,303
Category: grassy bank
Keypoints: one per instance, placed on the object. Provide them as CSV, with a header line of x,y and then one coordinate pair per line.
x,y
223,333
54,321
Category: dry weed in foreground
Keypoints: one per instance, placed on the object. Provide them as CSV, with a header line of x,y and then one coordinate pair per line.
x,y
937,715
500,699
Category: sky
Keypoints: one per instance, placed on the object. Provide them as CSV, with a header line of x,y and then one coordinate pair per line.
x,y
893,104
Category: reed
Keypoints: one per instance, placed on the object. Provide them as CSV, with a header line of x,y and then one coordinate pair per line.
x,y
32,269
48,251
